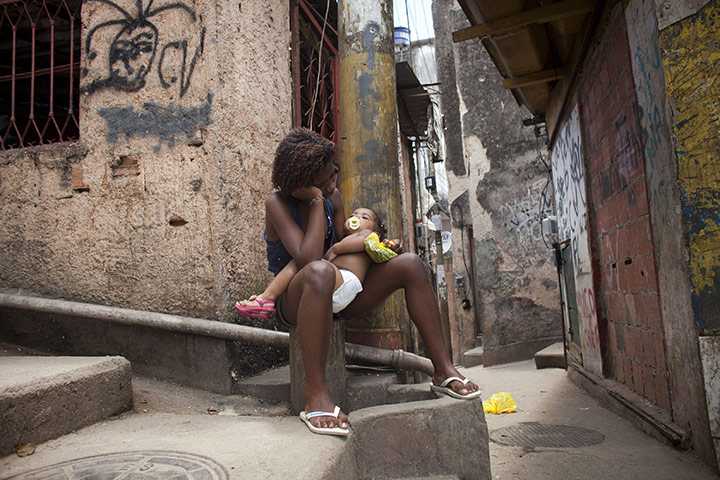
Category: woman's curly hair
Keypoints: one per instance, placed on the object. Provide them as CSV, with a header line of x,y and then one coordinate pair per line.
x,y
299,157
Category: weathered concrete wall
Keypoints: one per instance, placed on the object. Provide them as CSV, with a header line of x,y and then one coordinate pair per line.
x,y
710,353
496,186
670,251
160,204
691,63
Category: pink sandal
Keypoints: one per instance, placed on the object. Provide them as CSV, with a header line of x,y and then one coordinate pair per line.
x,y
264,309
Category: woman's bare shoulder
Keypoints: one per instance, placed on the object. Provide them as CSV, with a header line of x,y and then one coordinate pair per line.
x,y
336,197
275,203
277,214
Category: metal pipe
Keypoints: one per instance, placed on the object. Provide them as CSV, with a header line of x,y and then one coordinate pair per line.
x,y
163,321
209,328
399,359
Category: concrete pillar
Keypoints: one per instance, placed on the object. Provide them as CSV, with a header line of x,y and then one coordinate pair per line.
x,y
335,374
370,174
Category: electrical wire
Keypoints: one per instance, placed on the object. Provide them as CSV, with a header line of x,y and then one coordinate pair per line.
x,y
412,24
425,18
319,67
543,195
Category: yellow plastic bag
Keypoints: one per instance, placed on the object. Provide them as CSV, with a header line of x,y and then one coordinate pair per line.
x,y
499,403
377,250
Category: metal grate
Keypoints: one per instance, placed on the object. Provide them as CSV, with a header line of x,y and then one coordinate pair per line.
x,y
39,72
158,465
315,73
537,435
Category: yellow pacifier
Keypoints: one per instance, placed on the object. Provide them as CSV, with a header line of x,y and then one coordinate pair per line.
x,y
354,223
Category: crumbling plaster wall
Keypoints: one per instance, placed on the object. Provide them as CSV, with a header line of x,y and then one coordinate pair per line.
x,y
497,181
160,204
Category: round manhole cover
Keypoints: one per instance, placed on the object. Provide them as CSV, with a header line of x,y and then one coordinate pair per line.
x,y
537,435
153,465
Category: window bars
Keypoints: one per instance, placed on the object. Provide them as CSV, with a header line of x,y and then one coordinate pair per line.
x,y
39,72
315,66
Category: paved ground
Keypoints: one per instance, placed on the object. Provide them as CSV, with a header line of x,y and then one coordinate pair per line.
x,y
173,427
549,398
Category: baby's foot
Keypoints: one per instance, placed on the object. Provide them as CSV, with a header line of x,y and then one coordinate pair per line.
x,y
256,301
255,307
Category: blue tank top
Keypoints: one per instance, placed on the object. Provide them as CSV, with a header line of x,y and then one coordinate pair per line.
x,y
277,254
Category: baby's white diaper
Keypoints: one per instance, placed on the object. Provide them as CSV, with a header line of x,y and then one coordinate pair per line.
x,y
346,292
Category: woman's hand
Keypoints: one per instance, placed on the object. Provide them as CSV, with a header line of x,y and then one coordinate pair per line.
x,y
305,194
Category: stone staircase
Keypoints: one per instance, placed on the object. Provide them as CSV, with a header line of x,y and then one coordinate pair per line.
x,y
44,397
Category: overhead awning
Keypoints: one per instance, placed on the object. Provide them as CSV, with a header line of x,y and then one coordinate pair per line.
x,y
533,43
413,101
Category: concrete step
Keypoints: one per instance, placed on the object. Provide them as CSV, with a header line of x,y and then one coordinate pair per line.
x,y
552,356
472,357
272,386
365,388
42,398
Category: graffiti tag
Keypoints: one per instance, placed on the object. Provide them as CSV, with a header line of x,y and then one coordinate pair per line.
x,y
131,54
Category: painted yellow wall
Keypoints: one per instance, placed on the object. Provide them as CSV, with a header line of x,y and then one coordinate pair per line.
x,y
692,67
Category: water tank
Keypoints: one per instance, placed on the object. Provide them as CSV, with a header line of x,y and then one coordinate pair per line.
x,y
402,36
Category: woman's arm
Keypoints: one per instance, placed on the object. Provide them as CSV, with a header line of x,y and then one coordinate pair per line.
x,y
339,214
304,246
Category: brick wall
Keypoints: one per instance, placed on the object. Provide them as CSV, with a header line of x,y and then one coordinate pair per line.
x,y
621,239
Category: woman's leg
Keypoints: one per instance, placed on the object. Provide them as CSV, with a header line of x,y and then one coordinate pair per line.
x,y
308,300
407,271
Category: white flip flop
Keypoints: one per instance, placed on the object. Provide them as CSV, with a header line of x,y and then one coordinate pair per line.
x,y
341,432
443,388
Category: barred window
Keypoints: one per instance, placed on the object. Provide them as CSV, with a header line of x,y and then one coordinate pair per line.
x,y
315,66
39,72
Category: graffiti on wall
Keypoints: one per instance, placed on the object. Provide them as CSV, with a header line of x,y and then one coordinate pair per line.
x,y
569,183
571,210
131,54
692,73
647,67
523,221
153,45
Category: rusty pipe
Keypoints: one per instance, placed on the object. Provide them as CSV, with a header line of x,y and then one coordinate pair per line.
x,y
209,328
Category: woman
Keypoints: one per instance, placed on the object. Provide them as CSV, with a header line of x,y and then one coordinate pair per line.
x,y
300,221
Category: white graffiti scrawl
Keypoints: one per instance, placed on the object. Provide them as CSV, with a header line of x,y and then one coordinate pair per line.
x,y
522,221
571,208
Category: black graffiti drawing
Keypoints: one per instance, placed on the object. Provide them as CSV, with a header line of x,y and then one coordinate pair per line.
x,y
133,50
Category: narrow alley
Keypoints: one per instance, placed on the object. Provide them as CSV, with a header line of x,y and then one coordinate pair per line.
x,y
546,172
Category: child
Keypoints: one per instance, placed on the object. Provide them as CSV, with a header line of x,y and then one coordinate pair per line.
x,y
350,257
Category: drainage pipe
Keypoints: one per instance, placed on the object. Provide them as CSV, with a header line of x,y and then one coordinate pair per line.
x,y
209,328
